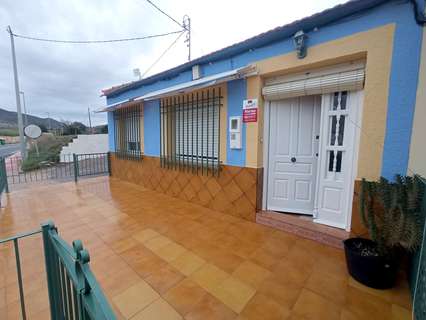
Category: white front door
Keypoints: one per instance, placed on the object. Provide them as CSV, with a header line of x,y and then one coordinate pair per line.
x,y
340,118
294,126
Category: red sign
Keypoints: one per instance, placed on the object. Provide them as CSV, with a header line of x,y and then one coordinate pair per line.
x,y
250,115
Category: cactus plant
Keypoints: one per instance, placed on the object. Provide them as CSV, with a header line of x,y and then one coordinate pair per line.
x,y
391,213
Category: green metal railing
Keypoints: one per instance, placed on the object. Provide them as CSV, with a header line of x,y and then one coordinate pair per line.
x,y
4,187
91,164
61,168
74,293
419,274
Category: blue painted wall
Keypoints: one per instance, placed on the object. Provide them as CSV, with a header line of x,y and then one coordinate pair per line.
x,y
111,132
403,82
402,97
237,92
151,128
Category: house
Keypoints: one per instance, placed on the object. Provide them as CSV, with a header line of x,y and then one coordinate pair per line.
x,y
288,121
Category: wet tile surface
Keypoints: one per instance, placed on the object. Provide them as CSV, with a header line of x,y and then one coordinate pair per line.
x,y
159,257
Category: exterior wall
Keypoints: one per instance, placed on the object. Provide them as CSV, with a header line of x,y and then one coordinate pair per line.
x,y
236,93
111,132
417,163
376,46
152,128
386,37
234,192
390,140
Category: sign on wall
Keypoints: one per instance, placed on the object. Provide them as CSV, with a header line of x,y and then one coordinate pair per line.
x,y
250,108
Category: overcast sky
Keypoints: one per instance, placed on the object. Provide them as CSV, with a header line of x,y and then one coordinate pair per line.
x,y
66,79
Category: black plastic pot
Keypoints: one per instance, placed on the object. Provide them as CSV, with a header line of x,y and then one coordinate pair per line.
x,y
377,272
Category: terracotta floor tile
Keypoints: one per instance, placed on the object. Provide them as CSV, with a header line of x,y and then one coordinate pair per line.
x,y
114,284
136,254
264,259
251,273
145,235
233,293
133,233
401,293
284,294
157,243
332,288
209,308
148,264
400,313
209,277
364,305
226,261
184,296
261,307
310,305
135,298
188,263
170,251
288,272
160,310
164,278
382,294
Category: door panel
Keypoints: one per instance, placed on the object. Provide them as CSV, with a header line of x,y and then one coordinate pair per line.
x,y
293,137
336,166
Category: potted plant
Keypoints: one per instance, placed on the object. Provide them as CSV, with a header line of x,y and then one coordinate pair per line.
x,y
391,213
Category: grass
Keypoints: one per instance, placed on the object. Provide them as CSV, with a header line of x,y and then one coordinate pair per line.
x,y
12,132
49,147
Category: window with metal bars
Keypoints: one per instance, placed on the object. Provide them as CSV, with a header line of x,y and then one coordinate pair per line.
x,y
128,132
190,132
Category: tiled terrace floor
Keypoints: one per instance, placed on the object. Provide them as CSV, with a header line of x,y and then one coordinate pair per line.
x,y
161,258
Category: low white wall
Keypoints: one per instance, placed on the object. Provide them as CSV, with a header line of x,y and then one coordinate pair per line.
x,y
84,144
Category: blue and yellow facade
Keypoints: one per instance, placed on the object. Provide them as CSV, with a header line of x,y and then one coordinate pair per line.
x,y
384,34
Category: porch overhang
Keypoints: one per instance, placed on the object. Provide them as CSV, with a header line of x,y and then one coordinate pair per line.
x,y
185,87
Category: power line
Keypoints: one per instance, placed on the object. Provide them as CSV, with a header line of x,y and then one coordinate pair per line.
x,y
186,25
167,15
95,41
162,55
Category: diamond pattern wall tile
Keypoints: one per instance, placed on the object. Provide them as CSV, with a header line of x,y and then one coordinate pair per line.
x,y
220,202
213,187
245,179
236,191
232,191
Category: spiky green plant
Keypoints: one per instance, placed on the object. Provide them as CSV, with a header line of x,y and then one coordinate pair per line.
x,y
391,211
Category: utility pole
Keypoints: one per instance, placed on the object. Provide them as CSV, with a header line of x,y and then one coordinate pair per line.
x,y
17,96
90,121
50,121
25,108
187,26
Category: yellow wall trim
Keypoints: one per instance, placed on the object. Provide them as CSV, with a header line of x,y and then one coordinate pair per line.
x,y
376,47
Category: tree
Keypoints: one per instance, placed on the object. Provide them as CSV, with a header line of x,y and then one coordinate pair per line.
x,y
74,128
43,128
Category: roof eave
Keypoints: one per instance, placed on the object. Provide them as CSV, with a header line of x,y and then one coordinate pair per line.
x,y
307,24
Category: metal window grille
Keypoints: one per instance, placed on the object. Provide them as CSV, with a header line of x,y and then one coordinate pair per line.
x,y
190,132
128,132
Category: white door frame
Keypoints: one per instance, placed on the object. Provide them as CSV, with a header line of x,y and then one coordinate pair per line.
x,y
359,97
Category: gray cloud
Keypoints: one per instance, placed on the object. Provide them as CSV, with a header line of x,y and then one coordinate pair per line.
x,y
65,79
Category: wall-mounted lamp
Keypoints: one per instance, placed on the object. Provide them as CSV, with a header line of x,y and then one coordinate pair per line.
x,y
299,39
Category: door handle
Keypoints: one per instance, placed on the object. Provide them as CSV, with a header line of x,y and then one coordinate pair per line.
x,y
293,159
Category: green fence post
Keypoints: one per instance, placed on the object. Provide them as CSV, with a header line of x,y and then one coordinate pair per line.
x,y
75,161
50,272
109,163
5,176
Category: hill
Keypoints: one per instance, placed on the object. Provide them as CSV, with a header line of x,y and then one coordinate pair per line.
x,y
8,119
